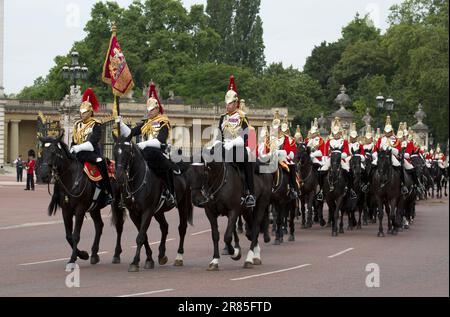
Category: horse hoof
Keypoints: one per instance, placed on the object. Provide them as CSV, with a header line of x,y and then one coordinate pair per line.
x,y
341,230
308,225
316,219
257,261
116,260
285,231
248,265
406,227
291,237
213,267
133,268
365,223
163,260
238,257
322,223
178,263
70,267
380,234
83,255
394,232
266,238
95,259
328,225
334,234
276,242
303,226
225,251
149,265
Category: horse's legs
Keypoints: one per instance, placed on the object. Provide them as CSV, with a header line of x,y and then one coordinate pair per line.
x,y
98,223
309,221
360,210
182,228
118,249
228,237
277,222
149,263
144,223
240,225
254,255
303,210
164,227
292,212
79,217
379,207
214,265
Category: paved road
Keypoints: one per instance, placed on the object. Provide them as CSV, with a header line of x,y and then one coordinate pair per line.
x,y
34,251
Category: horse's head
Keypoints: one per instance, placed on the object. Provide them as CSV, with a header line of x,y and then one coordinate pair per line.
x,y
355,169
302,154
54,152
196,177
123,156
335,160
384,160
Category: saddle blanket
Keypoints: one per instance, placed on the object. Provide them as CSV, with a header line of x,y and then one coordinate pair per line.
x,y
94,174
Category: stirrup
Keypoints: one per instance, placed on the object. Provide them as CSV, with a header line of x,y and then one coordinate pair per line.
x,y
320,196
250,201
405,190
353,194
108,199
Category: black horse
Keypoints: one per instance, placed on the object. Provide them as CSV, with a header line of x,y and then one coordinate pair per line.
x,y
386,188
351,205
335,190
217,187
309,186
438,178
141,192
74,192
370,207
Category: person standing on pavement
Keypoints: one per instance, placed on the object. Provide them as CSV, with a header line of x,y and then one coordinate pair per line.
x,y
19,168
30,170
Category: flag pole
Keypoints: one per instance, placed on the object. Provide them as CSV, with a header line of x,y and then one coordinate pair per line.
x,y
116,109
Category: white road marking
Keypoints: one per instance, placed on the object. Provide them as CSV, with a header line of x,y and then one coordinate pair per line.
x,y
201,232
339,253
38,224
55,260
153,243
149,293
269,273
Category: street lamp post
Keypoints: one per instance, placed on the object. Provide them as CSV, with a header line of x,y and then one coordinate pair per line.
x,y
72,73
381,104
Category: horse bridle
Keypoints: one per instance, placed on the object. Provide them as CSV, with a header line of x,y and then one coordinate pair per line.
x,y
208,193
58,178
128,180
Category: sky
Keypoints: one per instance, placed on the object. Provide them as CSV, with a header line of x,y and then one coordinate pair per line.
x,y
37,31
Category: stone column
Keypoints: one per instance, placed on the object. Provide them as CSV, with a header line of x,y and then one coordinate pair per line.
x,y
14,140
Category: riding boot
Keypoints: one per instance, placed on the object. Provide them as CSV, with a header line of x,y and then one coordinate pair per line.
x,y
292,182
105,183
349,183
321,180
170,188
418,185
404,189
250,200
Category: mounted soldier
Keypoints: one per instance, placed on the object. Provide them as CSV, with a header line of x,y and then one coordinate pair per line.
x,y
338,143
408,149
356,147
390,141
439,157
316,144
234,127
87,133
155,131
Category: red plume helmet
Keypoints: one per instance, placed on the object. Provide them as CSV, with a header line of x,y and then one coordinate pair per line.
x,y
232,93
153,94
90,97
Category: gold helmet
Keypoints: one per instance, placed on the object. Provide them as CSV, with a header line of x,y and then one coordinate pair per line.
x,y
298,134
89,101
388,127
285,125
378,135
231,95
353,131
153,100
405,129
336,127
369,134
400,132
438,148
314,128
264,132
276,122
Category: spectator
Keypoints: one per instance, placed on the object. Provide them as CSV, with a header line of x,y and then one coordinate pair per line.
x,y
19,168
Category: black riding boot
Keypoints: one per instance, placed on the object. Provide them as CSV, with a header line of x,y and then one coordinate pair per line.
x,y
404,189
105,183
349,185
292,182
321,180
418,185
250,200
170,188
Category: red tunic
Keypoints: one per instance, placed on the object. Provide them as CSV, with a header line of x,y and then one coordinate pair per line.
x,y
289,146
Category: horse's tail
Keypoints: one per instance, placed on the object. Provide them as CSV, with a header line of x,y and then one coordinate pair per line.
x,y
54,202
